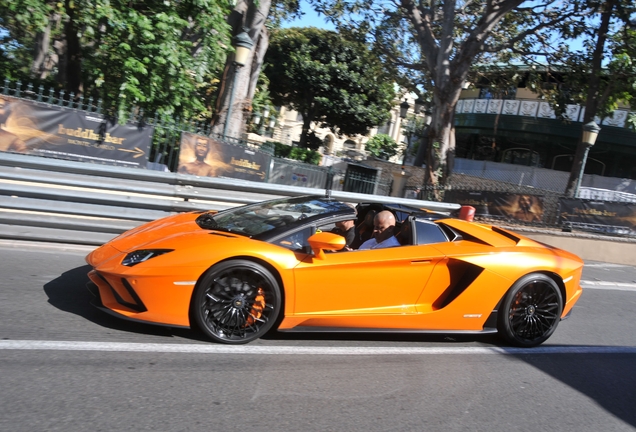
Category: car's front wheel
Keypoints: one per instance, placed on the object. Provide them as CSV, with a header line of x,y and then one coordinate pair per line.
x,y
530,311
236,302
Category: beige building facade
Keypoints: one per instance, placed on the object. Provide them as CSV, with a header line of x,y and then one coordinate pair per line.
x,y
288,129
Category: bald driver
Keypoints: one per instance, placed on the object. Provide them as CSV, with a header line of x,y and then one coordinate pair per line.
x,y
383,232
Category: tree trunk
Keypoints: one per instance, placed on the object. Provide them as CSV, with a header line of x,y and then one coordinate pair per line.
x,y
42,65
441,140
69,52
307,119
247,14
448,65
592,101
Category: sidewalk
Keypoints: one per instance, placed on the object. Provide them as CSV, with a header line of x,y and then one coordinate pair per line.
x,y
592,247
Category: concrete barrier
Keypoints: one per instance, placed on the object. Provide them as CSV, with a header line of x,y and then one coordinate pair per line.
x,y
591,248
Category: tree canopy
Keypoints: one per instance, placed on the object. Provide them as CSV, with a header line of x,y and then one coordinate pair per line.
x,y
603,72
328,79
382,146
161,56
434,45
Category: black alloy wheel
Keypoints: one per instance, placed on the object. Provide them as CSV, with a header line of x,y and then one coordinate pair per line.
x,y
237,302
530,311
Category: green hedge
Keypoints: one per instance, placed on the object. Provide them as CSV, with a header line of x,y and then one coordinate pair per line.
x,y
305,155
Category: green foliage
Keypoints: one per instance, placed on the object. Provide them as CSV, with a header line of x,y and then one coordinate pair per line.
x,y
434,45
607,80
162,56
20,21
328,79
281,150
382,146
302,154
261,97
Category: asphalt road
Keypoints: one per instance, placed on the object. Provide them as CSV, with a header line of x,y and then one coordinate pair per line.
x,y
66,366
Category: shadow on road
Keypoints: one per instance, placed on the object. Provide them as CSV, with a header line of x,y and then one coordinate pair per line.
x,y
607,379
68,292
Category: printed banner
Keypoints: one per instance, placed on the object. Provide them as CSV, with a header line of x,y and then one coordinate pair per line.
x,y
525,208
615,214
46,130
207,157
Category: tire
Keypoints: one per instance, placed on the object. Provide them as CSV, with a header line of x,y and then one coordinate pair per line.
x,y
236,302
530,311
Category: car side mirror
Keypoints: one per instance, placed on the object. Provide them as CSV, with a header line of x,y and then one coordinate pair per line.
x,y
322,241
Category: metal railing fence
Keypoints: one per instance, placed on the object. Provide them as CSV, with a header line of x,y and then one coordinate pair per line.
x,y
166,138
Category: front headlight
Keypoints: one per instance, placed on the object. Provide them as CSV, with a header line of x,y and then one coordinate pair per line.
x,y
142,255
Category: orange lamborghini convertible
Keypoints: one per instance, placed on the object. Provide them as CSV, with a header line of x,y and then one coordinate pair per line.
x,y
239,273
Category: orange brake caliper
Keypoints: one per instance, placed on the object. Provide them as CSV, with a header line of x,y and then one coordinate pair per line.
x,y
257,308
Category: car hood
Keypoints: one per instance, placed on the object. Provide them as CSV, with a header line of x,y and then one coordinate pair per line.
x,y
154,232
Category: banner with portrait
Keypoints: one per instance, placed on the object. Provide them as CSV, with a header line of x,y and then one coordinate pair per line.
x,y
522,207
47,130
615,214
206,157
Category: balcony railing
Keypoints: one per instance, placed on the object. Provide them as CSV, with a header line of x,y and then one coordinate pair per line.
x,y
537,109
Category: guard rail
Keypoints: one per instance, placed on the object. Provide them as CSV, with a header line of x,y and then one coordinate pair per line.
x,y
77,202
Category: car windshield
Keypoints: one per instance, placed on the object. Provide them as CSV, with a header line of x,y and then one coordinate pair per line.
x,y
256,219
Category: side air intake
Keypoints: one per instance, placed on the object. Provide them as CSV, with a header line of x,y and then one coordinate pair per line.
x,y
462,275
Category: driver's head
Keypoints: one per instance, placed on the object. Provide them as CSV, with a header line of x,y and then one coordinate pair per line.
x,y
346,225
383,225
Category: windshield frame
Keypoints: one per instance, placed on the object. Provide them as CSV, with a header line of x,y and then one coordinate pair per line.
x,y
269,219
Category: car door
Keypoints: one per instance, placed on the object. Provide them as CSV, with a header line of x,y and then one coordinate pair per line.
x,y
363,282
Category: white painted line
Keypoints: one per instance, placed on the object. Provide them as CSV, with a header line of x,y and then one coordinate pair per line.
x,y
302,350
66,215
21,244
607,265
603,285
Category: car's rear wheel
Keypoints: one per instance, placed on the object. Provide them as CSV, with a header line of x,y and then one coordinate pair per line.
x,y
236,302
530,311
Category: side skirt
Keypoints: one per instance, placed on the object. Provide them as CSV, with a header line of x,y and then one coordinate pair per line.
x,y
301,329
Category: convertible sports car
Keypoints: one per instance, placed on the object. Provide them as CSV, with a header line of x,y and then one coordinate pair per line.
x,y
241,272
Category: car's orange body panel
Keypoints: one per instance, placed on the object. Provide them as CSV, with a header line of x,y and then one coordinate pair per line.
x,y
452,286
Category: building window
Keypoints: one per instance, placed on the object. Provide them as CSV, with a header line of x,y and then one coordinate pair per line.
x,y
521,156
488,93
349,145
328,144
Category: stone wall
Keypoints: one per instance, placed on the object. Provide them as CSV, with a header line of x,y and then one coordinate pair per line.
x,y
415,174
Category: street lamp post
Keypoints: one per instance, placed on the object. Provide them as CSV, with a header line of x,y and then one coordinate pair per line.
x,y
423,148
419,104
272,123
243,45
590,133
257,118
400,177
261,131
404,109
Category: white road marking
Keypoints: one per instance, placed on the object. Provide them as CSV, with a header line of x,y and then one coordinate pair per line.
x,y
603,285
299,350
65,247
607,265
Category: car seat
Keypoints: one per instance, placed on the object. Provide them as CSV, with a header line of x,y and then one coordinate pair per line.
x,y
405,232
